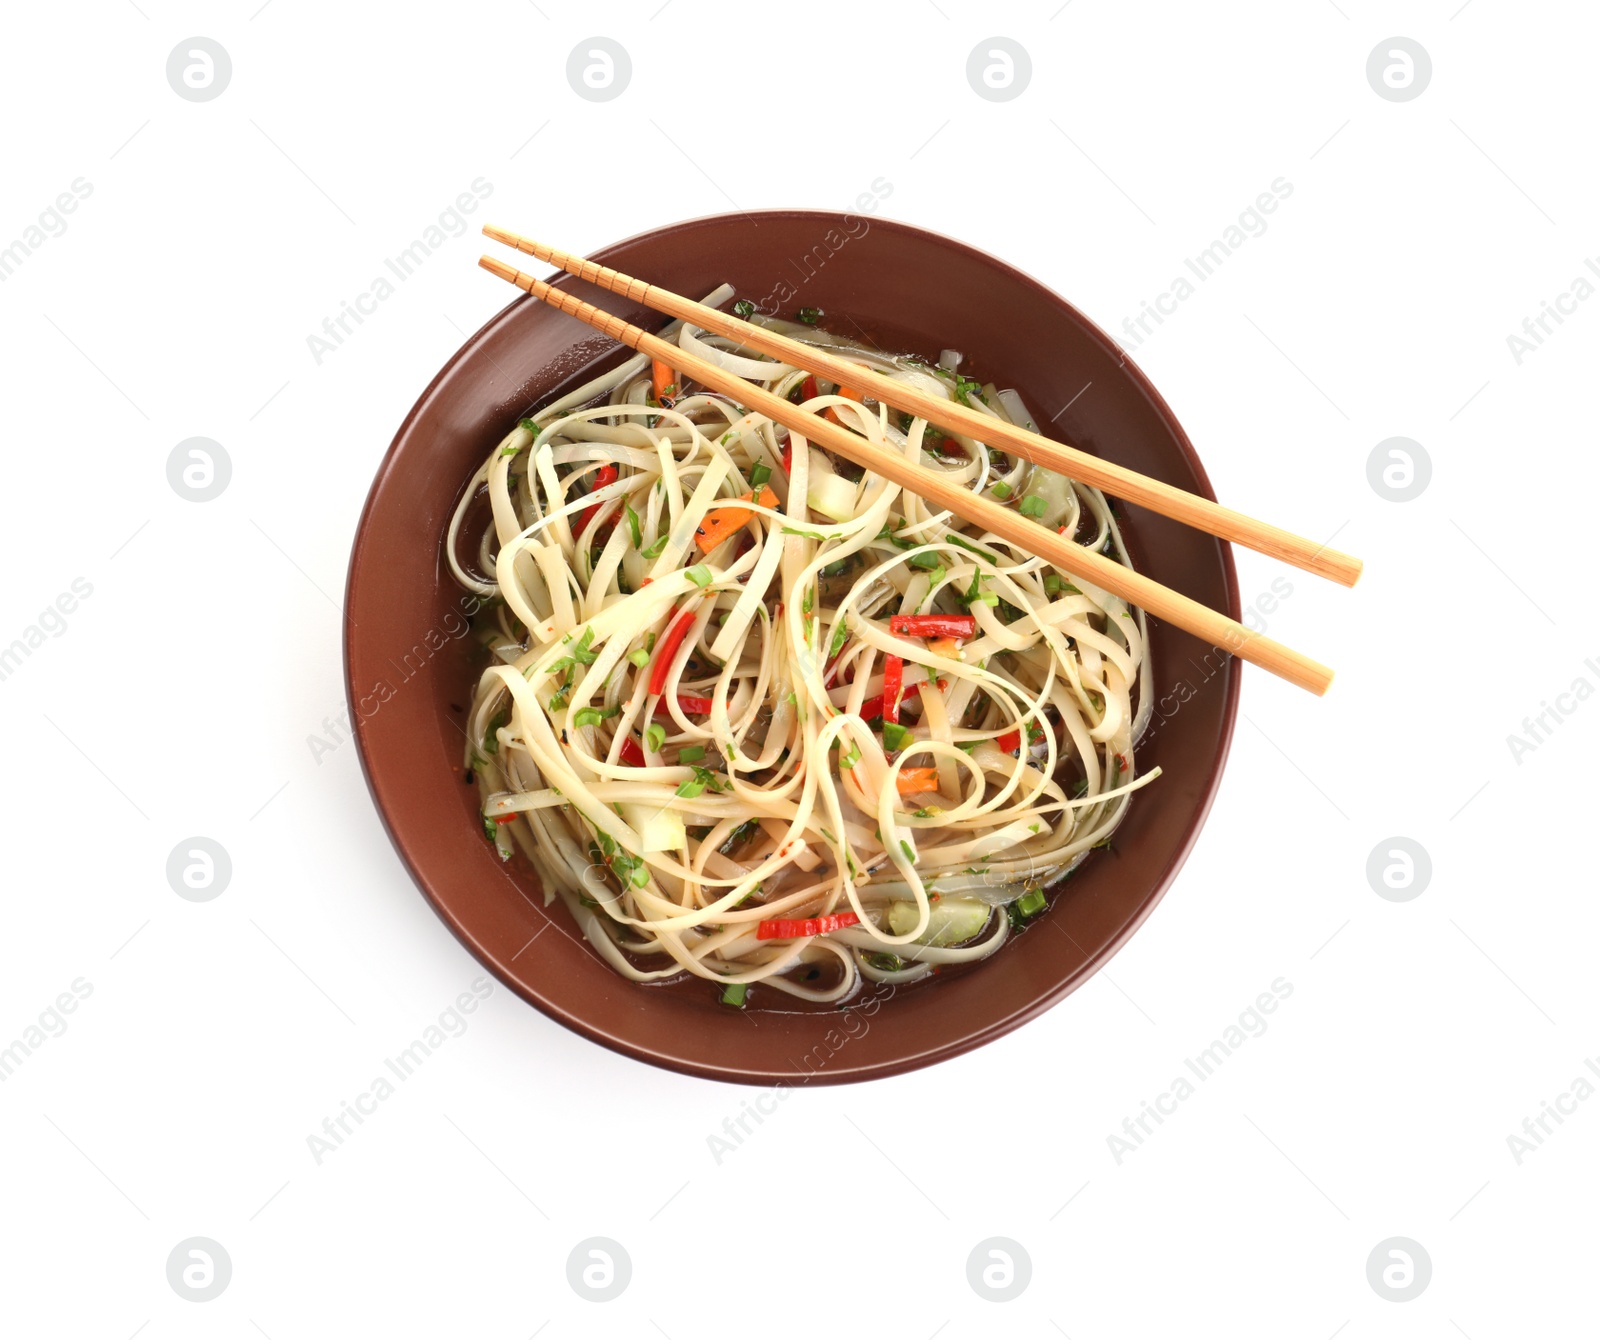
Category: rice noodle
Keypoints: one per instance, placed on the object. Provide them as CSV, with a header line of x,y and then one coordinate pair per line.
x,y
793,809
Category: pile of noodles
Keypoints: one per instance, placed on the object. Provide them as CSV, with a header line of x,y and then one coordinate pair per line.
x,y
790,807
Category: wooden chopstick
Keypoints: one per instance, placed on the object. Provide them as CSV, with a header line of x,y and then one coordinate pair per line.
x,y
1134,587
1189,508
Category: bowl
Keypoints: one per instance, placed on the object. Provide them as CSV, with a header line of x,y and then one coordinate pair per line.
x,y
408,673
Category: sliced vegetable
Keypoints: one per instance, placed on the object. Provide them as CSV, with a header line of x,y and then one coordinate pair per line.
x,y
1031,903
630,753
950,920
734,994
663,383
721,522
831,494
934,625
606,474
849,393
893,673
667,651
1009,742
910,781
788,928
659,828
691,706
895,737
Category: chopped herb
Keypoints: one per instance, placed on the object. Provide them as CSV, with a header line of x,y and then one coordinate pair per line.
x,y
745,830
809,534
654,551
850,759
655,736
557,702
700,575
760,472
841,635
703,777
926,560
908,849
491,741
1033,506
895,736
960,543
640,657
809,316
735,992
884,962
691,753
529,425
745,308
582,652
593,716
1001,489
633,525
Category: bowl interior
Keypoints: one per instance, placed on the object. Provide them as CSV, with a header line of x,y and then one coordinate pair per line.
x,y
408,674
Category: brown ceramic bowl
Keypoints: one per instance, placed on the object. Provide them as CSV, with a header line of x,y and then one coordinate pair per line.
x,y
408,674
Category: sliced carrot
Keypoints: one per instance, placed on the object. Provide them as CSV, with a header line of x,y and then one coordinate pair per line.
x,y
849,393
663,382
910,781
721,522
948,647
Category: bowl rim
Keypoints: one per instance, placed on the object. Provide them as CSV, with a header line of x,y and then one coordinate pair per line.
x,y
950,1048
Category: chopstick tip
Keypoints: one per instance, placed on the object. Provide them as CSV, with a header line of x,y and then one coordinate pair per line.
x,y
499,234
500,269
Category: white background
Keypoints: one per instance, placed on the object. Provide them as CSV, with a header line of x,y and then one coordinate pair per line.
x,y
179,699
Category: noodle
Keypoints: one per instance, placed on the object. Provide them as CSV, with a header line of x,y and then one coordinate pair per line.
x,y
683,740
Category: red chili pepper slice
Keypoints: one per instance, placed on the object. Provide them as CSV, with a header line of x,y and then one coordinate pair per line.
x,y
505,818
606,474
934,625
873,707
690,706
798,928
893,672
630,753
667,651
1008,742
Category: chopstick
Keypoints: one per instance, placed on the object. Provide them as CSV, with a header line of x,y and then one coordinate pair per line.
x,y
1158,496
1134,587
